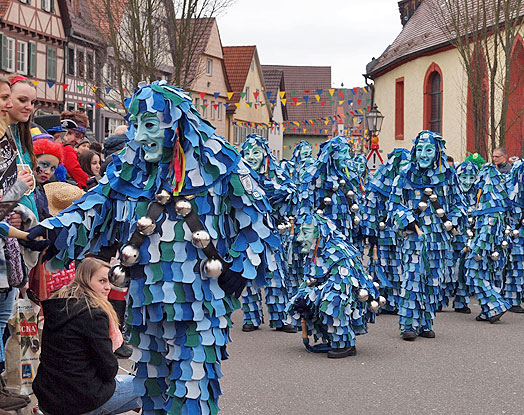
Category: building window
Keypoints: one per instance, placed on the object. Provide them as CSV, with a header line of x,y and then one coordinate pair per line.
x,y
209,67
399,109
21,57
70,107
433,99
51,64
212,110
32,59
204,109
252,68
257,99
247,94
111,75
8,53
80,63
48,6
71,61
90,70
219,112
197,103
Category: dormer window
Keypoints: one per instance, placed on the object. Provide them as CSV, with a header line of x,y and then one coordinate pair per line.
x,y
48,6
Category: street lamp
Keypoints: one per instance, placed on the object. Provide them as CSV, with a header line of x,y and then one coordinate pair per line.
x,y
374,120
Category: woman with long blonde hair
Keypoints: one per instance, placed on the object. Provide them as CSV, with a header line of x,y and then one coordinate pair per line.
x,y
78,370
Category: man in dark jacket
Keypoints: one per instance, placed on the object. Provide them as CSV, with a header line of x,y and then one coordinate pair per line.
x,y
113,144
500,160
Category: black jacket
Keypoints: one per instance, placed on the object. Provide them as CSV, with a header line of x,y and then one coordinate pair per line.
x,y
77,365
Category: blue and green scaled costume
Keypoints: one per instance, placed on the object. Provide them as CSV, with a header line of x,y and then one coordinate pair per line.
x,y
486,257
179,319
280,192
426,257
330,299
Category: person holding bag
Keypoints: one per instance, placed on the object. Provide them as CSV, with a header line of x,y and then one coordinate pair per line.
x,y
81,328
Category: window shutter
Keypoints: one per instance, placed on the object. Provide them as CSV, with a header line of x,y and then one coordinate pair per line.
x,y
43,4
31,70
52,6
4,52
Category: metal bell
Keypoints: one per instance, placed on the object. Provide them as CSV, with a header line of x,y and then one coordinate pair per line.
x,y
440,212
381,226
470,221
213,268
163,197
433,198
356,221
201,239
422,206
350,194
128,255
373,306
382,301
320,212
281,227
515,233
145,225
470,210
183,207
522,222
428,191
363,295
507,232
342,182
327,201
310,282
448,225
117,276
470,233
354,208
335,186
376,284
504,244
495,256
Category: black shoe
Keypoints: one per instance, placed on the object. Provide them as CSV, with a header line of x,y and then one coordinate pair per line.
x,y
495,318
287,328
124,351
480,317
341,353
428,334
516,309
409,336
463,310
248,327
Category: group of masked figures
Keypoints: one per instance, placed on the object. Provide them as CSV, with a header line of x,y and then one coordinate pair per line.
x,y
198,225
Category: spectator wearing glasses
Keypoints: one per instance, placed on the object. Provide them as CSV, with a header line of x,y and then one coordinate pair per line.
x,y
500,160
75,123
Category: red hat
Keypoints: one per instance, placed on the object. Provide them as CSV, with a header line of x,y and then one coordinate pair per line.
x,y
43,146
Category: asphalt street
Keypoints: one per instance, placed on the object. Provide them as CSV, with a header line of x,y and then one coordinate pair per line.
x,y
469,368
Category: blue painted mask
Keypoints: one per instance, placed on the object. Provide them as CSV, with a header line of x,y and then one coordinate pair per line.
x,y
150,135
425,153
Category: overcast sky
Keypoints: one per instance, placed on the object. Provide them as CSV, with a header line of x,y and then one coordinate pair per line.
x,y
343,34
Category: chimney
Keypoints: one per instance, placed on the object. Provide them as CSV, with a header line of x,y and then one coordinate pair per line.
x,y
407,9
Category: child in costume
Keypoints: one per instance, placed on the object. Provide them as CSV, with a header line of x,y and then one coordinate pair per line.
x,y
192,223
427,205
486,256
385,254
337,298
467,172
279,190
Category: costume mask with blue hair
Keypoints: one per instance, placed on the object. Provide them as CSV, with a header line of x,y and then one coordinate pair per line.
x,y
467,172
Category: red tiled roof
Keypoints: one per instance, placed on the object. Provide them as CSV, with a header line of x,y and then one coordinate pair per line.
x,y
274,81
237,60
304,78
100,15
4,6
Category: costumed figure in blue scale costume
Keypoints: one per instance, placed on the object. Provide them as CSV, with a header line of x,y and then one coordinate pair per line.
x,y
193,224
280,191
337,298
487,246
427,205
467,172
514,276
385,253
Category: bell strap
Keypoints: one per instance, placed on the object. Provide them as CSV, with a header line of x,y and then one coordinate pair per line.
x,y
154,211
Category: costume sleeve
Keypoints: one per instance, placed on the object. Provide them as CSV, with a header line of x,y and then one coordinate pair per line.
x,y
97,332
73,166
457,206
400,215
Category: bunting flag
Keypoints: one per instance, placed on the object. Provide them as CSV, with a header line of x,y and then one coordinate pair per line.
x,y
319,91
80,87
229,95
256,94
108,90
65,86
282,94
35,83
216,95
317,97
242,95
269,95
51,84
202,95
215,106
283,100
341,93
94,89
331,92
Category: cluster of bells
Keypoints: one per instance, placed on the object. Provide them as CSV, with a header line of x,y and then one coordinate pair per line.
x,y
350,194
448,225
495,255
146,226
285,226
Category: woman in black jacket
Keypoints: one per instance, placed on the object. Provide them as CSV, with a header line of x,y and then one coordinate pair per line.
x,y
78,370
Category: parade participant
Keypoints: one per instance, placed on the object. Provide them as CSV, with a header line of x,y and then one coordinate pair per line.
x,y
360,164
427,204
467,172
332,185
385,254
187,256
279,191
337,299
500,160
301,159
486,256
75,123
81,328
514,274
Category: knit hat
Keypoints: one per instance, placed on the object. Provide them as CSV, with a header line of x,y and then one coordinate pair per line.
x,y
44,146
61,195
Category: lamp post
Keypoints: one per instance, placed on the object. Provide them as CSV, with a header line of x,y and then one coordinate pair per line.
x,y
374,120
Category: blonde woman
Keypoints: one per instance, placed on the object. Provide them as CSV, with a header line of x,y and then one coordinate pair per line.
x,y
78,370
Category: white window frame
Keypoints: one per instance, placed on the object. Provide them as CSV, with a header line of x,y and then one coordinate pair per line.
x,y
21,57
247,94
11,56
219,111
46,5
204,110
209,67
212,110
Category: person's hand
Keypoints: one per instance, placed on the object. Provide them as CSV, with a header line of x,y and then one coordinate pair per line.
x,y
232,282
39,232
35,245
26,177
15,220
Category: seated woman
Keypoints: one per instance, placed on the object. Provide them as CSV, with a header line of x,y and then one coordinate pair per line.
x,y
78,370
